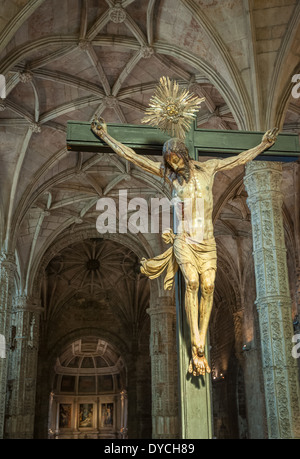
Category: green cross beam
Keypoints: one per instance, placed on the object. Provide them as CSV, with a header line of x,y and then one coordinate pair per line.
x,y
200,142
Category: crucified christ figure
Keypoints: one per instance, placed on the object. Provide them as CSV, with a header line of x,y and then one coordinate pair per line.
x,y
196,256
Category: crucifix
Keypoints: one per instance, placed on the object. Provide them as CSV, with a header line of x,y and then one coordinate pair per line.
x,y
194,251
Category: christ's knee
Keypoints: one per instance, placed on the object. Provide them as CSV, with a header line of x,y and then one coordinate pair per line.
x,y
192,283
208,283
207,288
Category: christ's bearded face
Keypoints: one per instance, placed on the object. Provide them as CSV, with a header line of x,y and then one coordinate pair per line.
x,y
176,157
175,162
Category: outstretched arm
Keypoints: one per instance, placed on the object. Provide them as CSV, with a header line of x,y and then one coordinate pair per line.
x,y
229,163
154,167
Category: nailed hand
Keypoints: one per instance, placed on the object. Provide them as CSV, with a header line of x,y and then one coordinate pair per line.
x,y
271,136
99,126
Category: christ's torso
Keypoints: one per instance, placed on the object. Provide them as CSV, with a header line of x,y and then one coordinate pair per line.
x,y
193,202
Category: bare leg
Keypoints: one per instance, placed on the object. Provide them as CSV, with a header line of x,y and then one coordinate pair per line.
x,y
206,303
192,284
198,365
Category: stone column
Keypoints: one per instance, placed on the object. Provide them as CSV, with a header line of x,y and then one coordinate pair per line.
x,y
238,319
124,403
7,271
164,369
23,369
263,184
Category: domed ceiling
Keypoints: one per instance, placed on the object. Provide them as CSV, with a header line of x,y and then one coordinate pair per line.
x,y
96,270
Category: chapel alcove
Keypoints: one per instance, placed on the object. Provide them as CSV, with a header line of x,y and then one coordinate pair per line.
x,y
94,344
89,399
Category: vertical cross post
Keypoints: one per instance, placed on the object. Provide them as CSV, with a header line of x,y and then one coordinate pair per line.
x,y
195,402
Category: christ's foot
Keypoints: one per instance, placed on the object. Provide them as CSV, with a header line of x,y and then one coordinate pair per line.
x,y
198,364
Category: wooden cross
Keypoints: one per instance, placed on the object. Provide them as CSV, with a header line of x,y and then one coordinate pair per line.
x,y
200,142
195,396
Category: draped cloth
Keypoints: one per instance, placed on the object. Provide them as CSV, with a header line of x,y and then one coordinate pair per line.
x,y
202,255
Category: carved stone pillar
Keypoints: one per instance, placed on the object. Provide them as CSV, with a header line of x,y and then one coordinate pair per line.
x,y
7,271
263,184
164,369
23,369
238,318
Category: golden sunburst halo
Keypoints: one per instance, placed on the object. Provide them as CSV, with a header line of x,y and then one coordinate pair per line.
x,y
172,109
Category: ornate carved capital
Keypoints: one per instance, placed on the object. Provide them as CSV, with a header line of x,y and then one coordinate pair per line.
x,y
163,305
123,395
26,303
263,166
263,177
8,262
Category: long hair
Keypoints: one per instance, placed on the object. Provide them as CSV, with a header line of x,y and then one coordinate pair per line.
x,y
176,147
